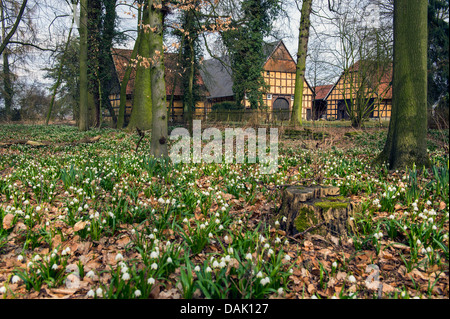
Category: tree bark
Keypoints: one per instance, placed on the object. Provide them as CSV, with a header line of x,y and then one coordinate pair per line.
x,y
141,113
159,117
305,23
83,123
406,142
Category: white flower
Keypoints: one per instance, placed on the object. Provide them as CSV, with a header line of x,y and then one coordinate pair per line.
x,y
259,275
55,266
352,278
287,257
20,258
126,276
169,260
265,281
208,269
90,274
99,292
215,264
119,257
15,279
90,294
154,266
137,293
37,258
151,281
280,291
154,254
2,290
248,256
334,264
197,268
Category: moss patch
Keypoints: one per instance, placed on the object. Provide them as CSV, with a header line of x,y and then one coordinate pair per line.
x,y
326,205
305,219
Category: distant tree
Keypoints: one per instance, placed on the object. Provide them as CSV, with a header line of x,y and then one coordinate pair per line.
x,y
244,43
438,53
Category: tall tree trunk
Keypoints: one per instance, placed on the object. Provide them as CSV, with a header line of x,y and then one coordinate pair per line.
x,y
406,141
83,123
159,122
7,85
189,103
141,113
305,23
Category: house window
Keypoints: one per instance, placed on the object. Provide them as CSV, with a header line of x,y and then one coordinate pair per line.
x,y
292,97
269,96
268,73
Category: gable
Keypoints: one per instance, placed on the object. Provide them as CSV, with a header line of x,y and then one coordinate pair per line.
x,y
280,60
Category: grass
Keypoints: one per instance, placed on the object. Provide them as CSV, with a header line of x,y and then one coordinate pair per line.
x,y
130,226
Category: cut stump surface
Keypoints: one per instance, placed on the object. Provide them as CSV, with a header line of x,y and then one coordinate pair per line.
x,y
317,210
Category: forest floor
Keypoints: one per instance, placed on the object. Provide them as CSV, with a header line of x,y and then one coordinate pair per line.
x,y
102,220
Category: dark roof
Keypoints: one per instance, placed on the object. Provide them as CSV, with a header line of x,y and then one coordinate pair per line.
x,y
217,77
173,71
322,91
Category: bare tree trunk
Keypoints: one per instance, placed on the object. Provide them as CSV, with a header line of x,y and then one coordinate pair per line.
x,y
305,22
159,121
141,113
7,85
83,124
406,142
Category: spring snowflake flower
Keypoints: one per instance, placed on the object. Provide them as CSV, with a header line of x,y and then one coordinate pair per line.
x,y
287,257
265,281
99,292
126,276
248,256
154,266
169,260
197,268
15,279
352,278
90,274
90,294
137,293
153,254
151,281
208,269
20,258
119,257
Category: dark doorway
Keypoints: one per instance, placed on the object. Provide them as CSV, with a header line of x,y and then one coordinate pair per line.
x,y
342,113
281,109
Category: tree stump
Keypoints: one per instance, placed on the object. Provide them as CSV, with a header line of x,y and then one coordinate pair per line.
x,y
316,210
